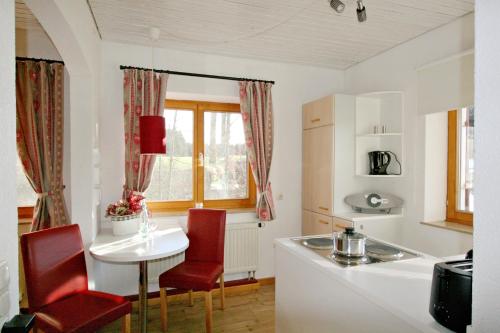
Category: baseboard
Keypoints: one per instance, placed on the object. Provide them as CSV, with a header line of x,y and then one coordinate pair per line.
x,y
230,288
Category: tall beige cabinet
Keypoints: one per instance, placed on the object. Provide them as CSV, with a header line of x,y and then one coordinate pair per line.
x,y
328,146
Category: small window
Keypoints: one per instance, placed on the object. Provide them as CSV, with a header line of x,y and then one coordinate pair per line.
x,y
26,197
460,205
206,159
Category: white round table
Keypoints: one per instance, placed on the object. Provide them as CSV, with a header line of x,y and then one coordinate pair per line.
x,y
169,239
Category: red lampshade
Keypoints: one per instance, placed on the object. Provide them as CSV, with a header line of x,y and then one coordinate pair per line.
x,y
153,135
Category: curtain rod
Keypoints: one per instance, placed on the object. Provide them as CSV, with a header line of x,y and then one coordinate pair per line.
x,y
197,74
39,59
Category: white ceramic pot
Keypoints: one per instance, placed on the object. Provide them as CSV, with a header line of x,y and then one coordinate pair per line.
x,y
125,225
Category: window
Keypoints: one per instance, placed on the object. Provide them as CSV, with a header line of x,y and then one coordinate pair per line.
x,y
206,159
460,205
26,197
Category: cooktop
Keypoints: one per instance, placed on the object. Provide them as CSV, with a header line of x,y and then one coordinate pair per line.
x,y
376,251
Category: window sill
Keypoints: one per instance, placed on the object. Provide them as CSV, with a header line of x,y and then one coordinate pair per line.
x,y
466,229
185,212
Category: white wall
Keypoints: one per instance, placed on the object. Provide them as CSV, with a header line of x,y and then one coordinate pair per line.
x,y
395,69
294,86
486,282
8,235
436,166
70,26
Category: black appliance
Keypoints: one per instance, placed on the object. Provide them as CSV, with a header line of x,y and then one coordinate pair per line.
x,y
379,161
451,294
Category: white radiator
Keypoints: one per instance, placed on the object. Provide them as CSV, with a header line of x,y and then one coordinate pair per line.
x,y
241,252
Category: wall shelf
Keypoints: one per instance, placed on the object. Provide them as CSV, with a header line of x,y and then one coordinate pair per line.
x,y
370,135
380,176
379,109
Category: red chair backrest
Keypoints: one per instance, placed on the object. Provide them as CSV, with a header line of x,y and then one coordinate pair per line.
x,y
206,232
54,264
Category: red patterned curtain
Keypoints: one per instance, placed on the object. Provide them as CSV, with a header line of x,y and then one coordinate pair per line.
x,y
257,113
40,128
143,95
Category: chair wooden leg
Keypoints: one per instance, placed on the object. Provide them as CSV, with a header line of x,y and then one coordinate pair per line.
x,y
163,308
222,295
190,294
208,311
126,323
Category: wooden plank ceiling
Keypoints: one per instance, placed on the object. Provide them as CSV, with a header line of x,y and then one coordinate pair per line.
x,y
306,32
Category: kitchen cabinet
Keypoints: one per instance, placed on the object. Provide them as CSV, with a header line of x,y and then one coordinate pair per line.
x,y
307,228
307,168
321,167
316,295
328,130
340,224
318,113
317,224
321,224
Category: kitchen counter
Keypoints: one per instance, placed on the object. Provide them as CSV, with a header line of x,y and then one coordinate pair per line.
x,y
359,217
314,294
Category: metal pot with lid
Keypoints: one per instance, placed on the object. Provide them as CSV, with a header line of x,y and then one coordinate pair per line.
x,y
349,243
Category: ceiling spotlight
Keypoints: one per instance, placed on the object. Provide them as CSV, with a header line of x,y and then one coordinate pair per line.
x,y
337,5
361,11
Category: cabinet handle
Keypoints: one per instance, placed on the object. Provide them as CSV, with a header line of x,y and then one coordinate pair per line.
x,y
340,226
315,120
323,208
323,222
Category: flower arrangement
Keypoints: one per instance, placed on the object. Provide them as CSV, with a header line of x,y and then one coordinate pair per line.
x,y
130,206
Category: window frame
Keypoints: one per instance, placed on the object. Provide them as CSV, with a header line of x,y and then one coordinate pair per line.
x,y
452,212
25,212
199,108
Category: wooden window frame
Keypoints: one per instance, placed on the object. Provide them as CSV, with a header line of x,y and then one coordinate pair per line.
x,y
25,212
199,108
452,213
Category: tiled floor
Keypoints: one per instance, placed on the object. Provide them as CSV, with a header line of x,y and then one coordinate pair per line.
x,y
251,311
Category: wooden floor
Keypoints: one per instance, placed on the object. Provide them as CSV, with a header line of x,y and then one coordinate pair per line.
x,y
250,311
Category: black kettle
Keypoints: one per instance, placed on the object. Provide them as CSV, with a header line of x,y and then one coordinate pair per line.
x,y
379,161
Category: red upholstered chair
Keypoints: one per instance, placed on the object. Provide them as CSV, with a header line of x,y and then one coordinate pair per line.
x,y
204,262
56,284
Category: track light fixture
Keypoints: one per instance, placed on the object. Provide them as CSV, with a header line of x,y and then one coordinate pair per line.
x,y
361,11
337,5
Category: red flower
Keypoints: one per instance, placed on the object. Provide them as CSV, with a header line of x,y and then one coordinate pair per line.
x,y
138,110
137,139
135,166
